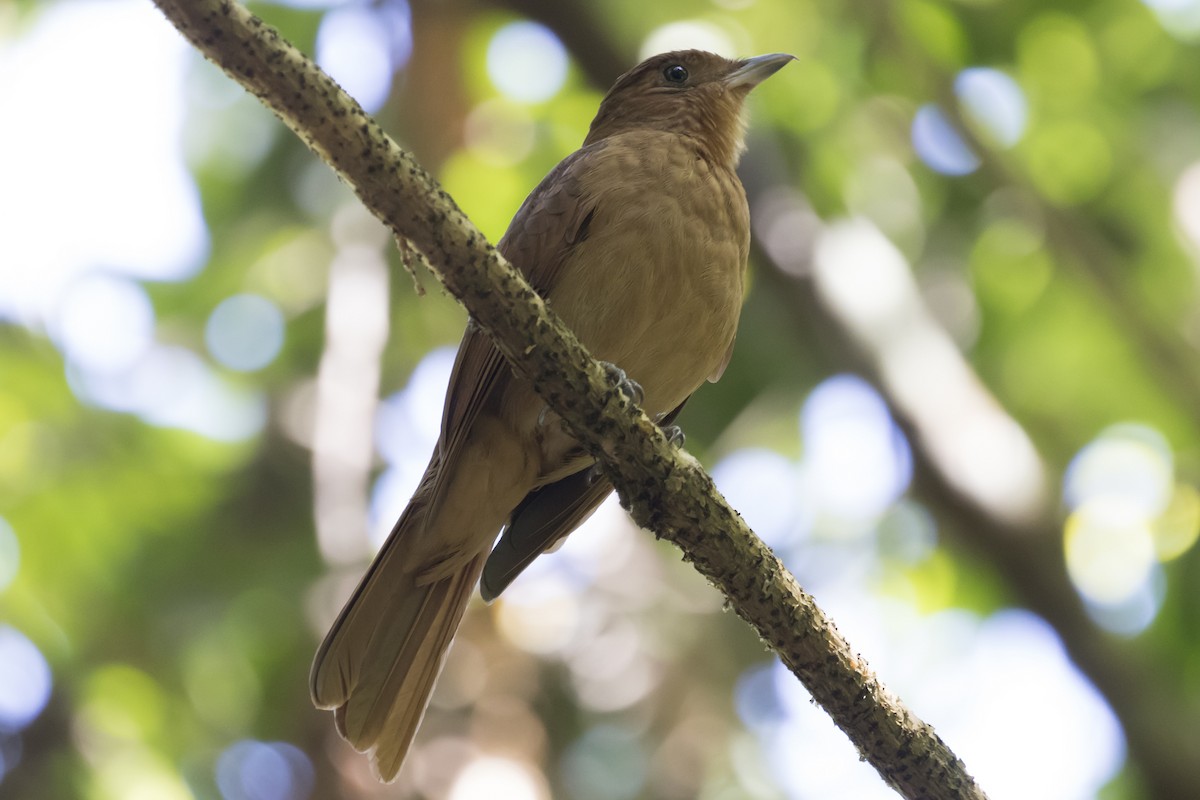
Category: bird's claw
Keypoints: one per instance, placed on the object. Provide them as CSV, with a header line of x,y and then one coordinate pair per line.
x,y
626,384
674,435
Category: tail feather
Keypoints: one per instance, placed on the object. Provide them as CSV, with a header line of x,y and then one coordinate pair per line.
x,y
412,686
379,661
378,664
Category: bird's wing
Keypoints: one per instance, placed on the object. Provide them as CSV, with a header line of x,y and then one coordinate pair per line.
x,y
542,520
725,359
545,516
550,223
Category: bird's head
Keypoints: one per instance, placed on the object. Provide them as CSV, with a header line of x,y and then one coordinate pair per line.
x,y
689,92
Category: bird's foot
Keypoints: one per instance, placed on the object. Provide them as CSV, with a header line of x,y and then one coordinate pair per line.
x,y
626,384
674,434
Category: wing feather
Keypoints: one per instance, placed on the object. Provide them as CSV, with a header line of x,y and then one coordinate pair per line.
x,y
552,220
543,518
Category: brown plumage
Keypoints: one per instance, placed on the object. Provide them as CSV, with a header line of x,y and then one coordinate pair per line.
x,y
639,240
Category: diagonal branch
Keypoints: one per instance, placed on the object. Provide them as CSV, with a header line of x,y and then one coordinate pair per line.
x,y
665,489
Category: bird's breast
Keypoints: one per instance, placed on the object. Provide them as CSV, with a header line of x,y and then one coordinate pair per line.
x,y
656,286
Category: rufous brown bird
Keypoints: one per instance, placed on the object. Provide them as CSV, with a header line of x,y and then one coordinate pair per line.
x,y
639,241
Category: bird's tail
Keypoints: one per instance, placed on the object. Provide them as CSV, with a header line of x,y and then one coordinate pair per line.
x,y
378,663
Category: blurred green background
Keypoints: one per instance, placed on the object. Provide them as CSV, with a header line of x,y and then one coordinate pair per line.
x,y
963,407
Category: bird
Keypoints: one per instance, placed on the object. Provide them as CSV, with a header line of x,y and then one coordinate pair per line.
x,y
639,241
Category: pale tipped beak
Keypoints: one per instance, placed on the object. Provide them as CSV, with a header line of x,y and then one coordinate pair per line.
x,y
753,71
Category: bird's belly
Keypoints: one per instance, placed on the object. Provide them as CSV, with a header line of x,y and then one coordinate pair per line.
x,y
659,294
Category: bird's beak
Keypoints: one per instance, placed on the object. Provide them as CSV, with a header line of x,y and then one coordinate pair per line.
x,y
753,71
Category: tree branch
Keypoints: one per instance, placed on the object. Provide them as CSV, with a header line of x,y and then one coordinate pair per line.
x,y
665,489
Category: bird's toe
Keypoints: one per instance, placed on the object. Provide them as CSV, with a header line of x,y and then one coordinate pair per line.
x,y
626,384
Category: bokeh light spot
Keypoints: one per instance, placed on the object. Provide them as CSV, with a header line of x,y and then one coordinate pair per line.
x,y
122,702
762,486
104,323
995,102
499,132
1110,550
390,495
220,682
1171,5
1175,530
1056,56
755,698
487,193
1130,464
863,275
539,616
245,332
173,387
787,227
1037,704
936,28
610,665
527,62
135,209
600,548
1180,18
1009,265
138,773
406,424
952,303
25,680
1009,670
939,144
907,533
228,132
883,191
1070,161
1134,613
854,455
688,34
500,778
361,46
406,431
606,763
1186,204
253,770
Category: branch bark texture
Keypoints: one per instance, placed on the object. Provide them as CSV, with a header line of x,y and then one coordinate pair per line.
x,y
664,488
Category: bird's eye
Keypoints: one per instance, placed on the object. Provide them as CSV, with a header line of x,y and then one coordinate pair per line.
x,y
676,73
